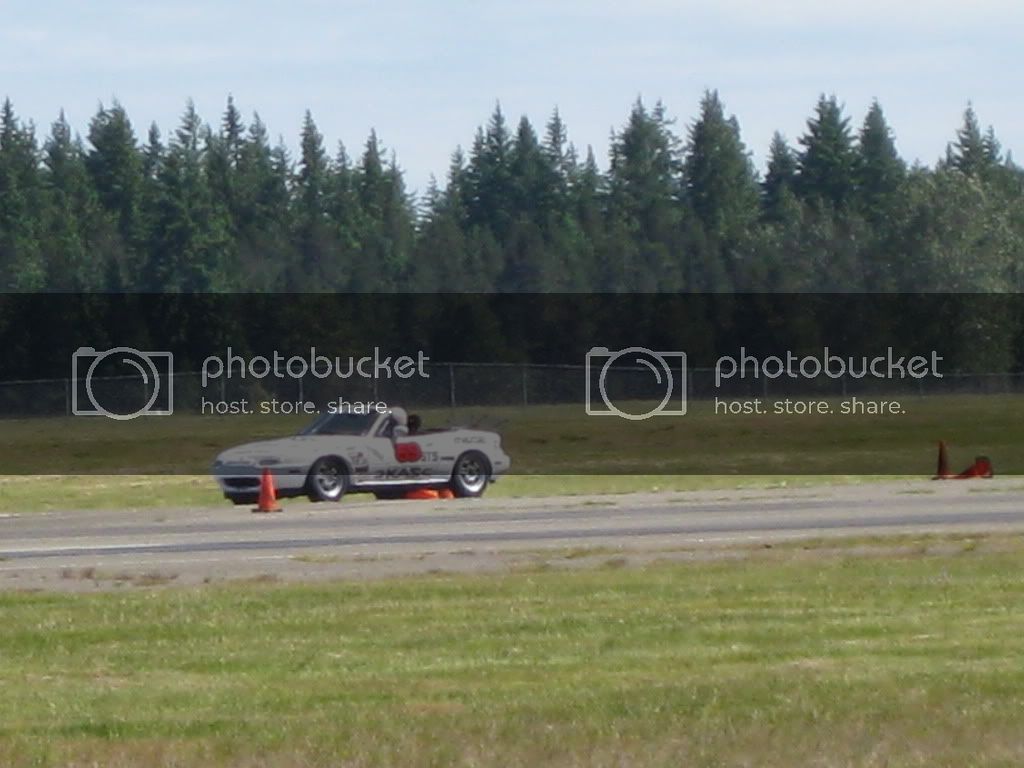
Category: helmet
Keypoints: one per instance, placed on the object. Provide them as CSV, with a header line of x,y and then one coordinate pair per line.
x,y
400,417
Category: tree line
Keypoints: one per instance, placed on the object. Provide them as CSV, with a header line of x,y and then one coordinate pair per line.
x,y
223,209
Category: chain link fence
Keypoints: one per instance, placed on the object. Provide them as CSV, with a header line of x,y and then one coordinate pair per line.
x,y
456,385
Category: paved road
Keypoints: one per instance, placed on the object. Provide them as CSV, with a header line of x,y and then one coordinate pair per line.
x,y
71,550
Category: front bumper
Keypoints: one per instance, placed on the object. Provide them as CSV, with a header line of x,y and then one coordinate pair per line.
x,y
246,478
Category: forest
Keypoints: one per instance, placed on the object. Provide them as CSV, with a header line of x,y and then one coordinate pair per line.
x,y
220,208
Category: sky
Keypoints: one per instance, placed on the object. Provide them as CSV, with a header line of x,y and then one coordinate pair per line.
x,y
426,74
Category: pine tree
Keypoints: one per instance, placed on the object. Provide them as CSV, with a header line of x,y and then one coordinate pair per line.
x,y
780,177
77,232
968,154
720,184
262,217
386,213
880,171
314,237
561,160
115,167
828,160
489,178
232,131
643,201
642,172
190,248
21,263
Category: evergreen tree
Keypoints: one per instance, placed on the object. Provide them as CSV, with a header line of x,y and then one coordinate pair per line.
x,y
262,217
386,213
115,167
190,249
720,184
973,153
828,160
534,180
77,232
232,131
880,171
315,239
21,263
489,178
780,178
643,201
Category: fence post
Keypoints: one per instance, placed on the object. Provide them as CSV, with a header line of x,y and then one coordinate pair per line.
x,y
67,397
526,399
451,384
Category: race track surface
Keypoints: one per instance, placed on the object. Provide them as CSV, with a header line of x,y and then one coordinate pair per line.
x,y
362,538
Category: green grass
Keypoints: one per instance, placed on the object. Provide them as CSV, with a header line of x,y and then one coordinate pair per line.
x,y
29,493
775,660
554,449
563,440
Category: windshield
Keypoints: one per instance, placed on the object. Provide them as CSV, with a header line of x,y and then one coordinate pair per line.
x,y
341,424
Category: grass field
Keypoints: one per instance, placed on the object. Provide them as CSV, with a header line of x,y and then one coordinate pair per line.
x,y
28,493
563,440
788,657
555,449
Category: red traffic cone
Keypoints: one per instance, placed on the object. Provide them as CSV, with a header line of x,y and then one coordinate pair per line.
x,y
268,496
942,472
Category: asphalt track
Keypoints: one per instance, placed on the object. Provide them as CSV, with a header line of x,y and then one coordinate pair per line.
x,y
368,539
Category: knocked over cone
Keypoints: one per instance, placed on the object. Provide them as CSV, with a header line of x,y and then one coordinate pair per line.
x,y
427,494
982,467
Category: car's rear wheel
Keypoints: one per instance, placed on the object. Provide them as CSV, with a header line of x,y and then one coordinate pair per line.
x,y
471,474
327,479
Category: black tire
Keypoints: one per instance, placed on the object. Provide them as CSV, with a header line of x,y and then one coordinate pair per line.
x,y
470,475
327,479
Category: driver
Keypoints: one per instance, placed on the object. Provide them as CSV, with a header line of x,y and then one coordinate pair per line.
x,y
415,422
399,422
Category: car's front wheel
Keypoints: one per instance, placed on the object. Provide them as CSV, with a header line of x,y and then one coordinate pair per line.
x,y
327,479
471,474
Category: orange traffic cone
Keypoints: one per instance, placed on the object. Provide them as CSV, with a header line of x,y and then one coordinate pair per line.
x,y
982,467
268,496
423,494
942,472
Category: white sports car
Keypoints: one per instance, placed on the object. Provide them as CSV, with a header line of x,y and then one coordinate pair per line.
x,y
343,453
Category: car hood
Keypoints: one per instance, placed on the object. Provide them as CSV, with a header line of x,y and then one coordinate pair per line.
x,y
301,448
